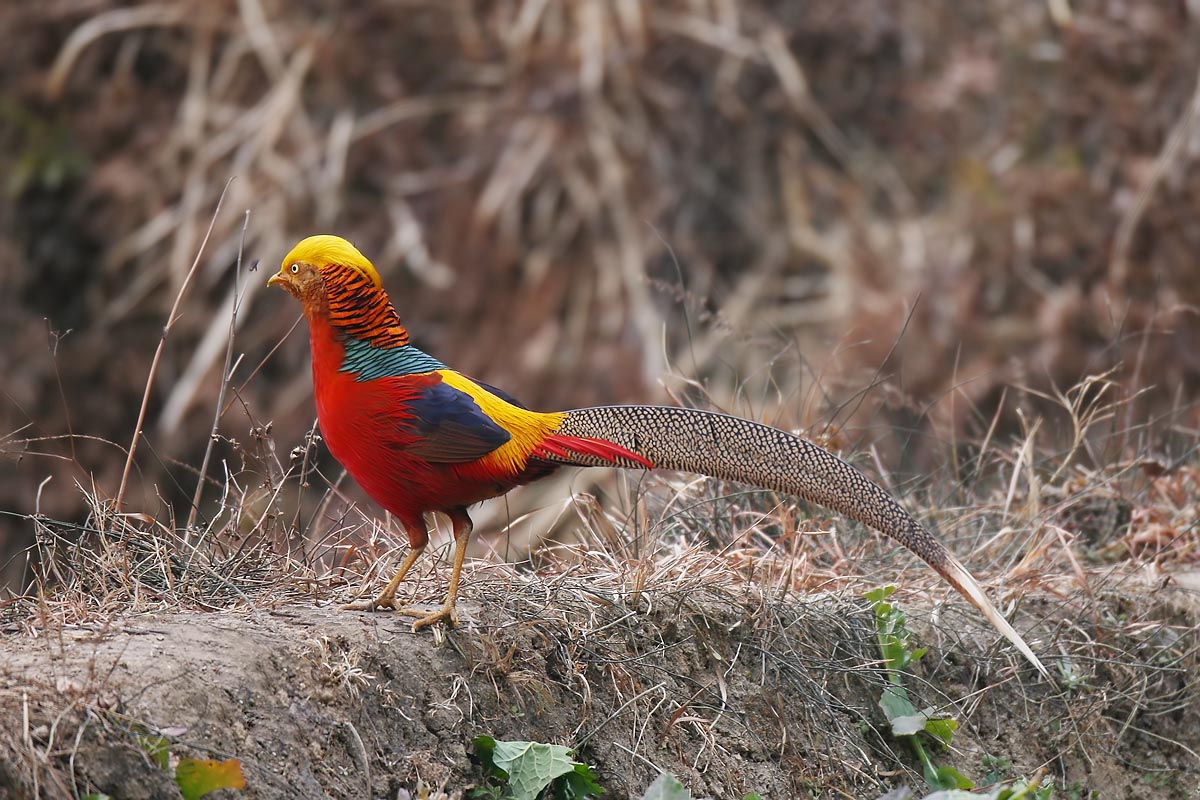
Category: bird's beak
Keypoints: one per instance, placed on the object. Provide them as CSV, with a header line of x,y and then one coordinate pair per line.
x,y
277,278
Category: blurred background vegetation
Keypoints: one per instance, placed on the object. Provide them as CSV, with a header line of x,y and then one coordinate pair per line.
x,y
873,220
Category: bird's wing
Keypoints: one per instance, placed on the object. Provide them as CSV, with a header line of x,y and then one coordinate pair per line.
x,y
450,427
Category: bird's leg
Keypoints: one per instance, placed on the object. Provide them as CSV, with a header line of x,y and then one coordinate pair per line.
x,y
387,598
462,532
418,537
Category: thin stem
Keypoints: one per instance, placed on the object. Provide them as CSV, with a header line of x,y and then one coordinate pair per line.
x,y
141,420
226,377
262,363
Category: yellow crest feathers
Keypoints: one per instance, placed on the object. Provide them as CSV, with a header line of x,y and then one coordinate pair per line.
x,y
324,249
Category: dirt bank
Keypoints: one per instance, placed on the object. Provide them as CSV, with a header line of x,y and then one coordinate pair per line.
x,y
730,691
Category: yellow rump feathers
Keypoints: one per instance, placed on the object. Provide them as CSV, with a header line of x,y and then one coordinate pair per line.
x,y
323,250
527,428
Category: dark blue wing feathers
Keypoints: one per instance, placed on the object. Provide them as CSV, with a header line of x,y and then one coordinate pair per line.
x,y
451,428
448,425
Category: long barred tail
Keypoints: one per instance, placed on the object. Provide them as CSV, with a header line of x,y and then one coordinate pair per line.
x,y
732,448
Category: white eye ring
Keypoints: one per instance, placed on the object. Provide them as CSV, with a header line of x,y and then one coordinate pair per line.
x,y
295,268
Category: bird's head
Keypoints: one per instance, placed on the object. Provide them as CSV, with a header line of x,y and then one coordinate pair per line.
x,y
303,269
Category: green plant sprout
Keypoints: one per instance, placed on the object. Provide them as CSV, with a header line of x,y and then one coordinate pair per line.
x,y
907,722
532,770
525,770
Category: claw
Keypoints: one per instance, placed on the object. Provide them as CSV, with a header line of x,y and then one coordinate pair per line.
x,y
424,619
370,605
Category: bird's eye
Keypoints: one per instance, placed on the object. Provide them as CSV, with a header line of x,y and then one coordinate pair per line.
x,y
295,268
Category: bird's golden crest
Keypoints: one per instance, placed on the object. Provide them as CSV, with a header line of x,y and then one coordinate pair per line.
x,y
324,249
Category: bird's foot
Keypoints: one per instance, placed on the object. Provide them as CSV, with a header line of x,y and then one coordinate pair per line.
x,y
424,619
371,605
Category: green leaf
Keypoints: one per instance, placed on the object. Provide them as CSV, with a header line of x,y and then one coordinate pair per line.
x,y
896,706
1021,790
537,766
893,636
579,783
753,796
950,778
909,725
485,748
877,596
941,728
197,777
530,767
666,787
907,721
1017,791
97,796
156,747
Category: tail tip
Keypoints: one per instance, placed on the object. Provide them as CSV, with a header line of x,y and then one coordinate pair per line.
x,y
961,579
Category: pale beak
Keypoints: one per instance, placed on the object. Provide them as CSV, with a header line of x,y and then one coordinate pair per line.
x,y
274,279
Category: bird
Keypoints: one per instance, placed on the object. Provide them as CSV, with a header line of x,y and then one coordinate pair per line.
x,y
421,438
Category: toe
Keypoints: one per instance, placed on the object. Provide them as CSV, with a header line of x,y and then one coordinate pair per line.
x,y
370,605
445,615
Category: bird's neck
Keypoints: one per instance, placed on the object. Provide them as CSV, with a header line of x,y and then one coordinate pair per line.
x,y
356,330
355,308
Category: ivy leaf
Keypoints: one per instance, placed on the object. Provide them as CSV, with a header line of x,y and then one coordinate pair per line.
x,y
531,766
667,787
197,777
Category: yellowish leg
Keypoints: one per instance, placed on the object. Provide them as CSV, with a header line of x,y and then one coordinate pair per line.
x,y
462,532
387,598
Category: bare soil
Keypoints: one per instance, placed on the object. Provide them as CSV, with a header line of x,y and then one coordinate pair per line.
x,y
730,691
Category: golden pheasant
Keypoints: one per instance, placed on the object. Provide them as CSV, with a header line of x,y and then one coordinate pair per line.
x,y
420,437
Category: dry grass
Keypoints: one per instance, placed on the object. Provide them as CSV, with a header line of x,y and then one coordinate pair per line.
x,y
701,584
602,202
544,185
